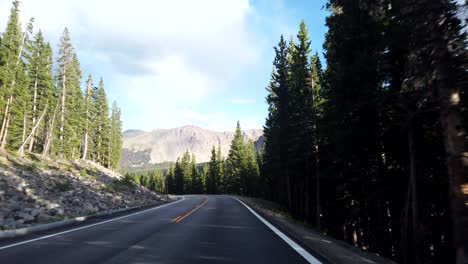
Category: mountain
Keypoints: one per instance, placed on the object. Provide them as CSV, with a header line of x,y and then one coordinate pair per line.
x,y
145,149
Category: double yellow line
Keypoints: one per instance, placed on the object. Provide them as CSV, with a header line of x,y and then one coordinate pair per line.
x,y
182,217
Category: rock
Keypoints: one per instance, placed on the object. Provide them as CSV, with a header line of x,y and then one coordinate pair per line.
x,y
28,191
35,212
9,223
56,211
4,212
28,218
42,217
19,222
19,215
51,205
89,207
21,186
15,207
76,202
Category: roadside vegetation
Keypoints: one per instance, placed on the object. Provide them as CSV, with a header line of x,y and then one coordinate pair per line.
x,y
43,108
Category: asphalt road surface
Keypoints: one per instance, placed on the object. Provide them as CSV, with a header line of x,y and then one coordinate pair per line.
x,y
197,229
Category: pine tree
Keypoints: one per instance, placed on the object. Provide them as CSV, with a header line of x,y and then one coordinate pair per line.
x,y
250,170
185,164
170,180
233,171
71,100
41,89
197,183
14,96
116,142
275,176
101,126
434,78
220,176
212,173
300,133
74,128
204,176
178,178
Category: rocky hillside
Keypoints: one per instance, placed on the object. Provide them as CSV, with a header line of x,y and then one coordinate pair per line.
x,y
141,149
39,190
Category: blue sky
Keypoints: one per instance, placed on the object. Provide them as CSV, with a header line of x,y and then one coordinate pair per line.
x,y
180,62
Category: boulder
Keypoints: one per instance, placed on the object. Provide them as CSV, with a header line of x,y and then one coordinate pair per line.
x,y
28,218
76,202
9,223
21,186
15,207
43,217
4,212
56,211
35,212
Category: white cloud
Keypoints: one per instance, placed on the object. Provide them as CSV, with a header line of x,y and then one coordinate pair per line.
x,y
158,58
243,101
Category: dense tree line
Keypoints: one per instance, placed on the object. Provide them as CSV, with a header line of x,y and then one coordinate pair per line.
x,y
238,173
373,149
50,114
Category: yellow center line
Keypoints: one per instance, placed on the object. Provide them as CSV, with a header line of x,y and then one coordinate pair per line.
x,y
182,217
175,219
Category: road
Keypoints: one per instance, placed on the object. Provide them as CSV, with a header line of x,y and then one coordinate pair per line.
x,y
197,229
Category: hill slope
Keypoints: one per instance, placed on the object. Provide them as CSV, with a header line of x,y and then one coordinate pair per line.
x,y
142,149
39,190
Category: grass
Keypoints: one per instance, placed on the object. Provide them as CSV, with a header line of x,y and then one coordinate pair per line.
x,y
39,165
120,186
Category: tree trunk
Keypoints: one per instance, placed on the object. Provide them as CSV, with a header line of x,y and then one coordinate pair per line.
x,y
30,137
457,166
23,138
49,135
31,144
62,113
414,193
4,138
85,146
4,125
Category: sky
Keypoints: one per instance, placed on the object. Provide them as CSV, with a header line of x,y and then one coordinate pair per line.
x,y
179,62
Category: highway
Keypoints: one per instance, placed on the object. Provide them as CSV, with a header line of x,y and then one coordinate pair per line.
x,y
196,229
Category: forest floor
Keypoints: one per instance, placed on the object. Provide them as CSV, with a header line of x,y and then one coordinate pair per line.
x,y
326,248
37,189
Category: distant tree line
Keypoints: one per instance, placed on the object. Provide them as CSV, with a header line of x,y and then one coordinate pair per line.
x,y
238,173
373,149
50,114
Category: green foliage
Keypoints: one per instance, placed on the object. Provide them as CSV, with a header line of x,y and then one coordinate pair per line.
x,y
364,144
38,116
100,129
120,185
116,142
241,169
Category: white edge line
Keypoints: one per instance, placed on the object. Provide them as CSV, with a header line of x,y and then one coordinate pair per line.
x,y
88,226
291,243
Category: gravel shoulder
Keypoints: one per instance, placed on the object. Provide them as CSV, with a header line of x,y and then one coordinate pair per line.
x,y
327,249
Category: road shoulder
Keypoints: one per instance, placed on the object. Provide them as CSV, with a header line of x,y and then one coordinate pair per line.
x,y
44,228
327,249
